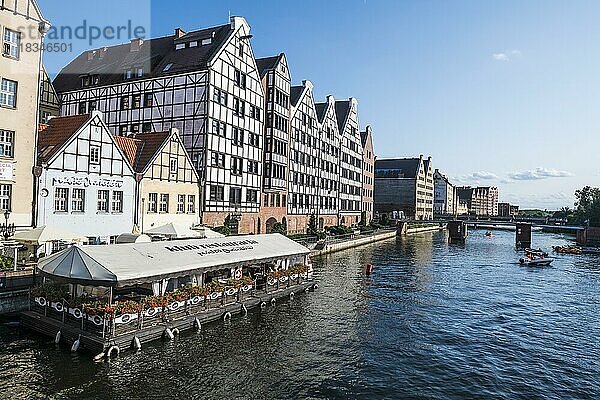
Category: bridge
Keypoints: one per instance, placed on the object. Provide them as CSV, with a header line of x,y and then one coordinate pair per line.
x,y
501,222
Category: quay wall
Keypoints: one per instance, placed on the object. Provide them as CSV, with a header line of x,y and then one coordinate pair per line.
x,y
14,302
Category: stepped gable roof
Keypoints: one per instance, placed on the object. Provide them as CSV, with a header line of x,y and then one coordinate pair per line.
x,y
53,135
110,63
397,168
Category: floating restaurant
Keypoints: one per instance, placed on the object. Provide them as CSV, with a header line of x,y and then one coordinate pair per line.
x,y
106,299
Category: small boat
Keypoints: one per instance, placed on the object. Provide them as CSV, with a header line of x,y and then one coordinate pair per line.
x,y
567,249
536,262
489,234
590,250
536,253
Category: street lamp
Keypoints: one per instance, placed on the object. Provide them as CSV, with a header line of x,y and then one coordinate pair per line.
x,y
6,229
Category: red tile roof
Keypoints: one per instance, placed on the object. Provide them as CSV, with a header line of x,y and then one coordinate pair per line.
x,y
57,132
142,149
129,146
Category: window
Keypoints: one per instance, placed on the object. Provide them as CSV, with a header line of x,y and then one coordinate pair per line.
x,y
253,167
7,139
252,196
180,203
191,204
12,43
255,112
239,107
163,206
173,165
240,78
117,202
82,109
61,200
235,195
92,105
102,200
128,74
124,103
219,128
146,127
236,166
8,93
237,136
135,128
148,100
89,80
5,197
152,202
254,139
136,100
78,200
180,46
140,72
220,96
123,130
206,41
240,47
94,154
218,159
217,193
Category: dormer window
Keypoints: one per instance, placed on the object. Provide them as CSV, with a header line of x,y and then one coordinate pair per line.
x,y
193,44
180,46
206,42
89,80
140,72
167,67
128,74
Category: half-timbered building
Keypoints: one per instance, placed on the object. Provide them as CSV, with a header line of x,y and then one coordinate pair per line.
x,y
276,81
167,184
86,184
206,84
368,175
351,156
330,144
303,199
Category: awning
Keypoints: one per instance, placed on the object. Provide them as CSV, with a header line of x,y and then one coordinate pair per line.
x,y
135,263
45,234
173,231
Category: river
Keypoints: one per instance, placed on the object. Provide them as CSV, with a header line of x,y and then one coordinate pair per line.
x,y
433,321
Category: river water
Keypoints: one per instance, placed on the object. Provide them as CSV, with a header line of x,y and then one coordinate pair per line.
x,y
434,321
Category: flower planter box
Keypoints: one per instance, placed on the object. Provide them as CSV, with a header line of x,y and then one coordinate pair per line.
x,y
125,323
196,305
152,316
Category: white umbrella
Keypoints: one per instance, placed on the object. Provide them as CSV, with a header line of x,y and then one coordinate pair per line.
x,y
174,231
44,234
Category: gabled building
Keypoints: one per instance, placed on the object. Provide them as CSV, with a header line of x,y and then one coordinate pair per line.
x,y
85,182
368,175
445,197
404,188
329,165
480,200
276,82
22,27
49,102
206,84
351,156
167,184
304,159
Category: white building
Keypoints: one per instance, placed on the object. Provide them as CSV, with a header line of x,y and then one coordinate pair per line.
x,y
86,184
445,196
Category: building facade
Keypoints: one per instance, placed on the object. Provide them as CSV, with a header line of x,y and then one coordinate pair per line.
x,y
204,83
22,26
507,210
445,197
351,156
481,201
368,175
86,184
49,102
276,80
404,188
167,184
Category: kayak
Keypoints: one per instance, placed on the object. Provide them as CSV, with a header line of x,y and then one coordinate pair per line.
x,y
536,262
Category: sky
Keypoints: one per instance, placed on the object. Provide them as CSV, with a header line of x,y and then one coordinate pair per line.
x,y
502,93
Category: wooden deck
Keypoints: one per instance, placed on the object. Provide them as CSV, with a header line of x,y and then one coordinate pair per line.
x,y
94,343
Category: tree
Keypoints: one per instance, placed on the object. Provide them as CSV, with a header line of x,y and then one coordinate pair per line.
x,y
278,227
587,206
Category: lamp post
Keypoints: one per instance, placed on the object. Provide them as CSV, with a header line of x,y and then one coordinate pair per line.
x,y
6,229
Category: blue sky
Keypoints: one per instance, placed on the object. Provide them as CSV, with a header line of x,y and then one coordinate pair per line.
x,y
502,93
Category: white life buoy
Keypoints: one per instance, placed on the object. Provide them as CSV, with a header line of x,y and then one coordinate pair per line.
x,y
195,300
227,316
96,319
291,295
231,291
175,306
283,279
215,295
246,288
175,331
151,312
111,349
58,306
271,282
294,277
76,312
41,301
238,274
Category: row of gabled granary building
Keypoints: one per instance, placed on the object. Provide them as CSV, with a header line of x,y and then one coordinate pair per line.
x,y
192,128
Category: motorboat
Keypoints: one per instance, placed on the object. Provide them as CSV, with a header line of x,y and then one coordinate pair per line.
x,y
536,261
536,253
489,234
567,249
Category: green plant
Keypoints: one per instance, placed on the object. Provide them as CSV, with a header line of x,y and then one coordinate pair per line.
x,y
223,230
6,263
51,291
312,229
278,227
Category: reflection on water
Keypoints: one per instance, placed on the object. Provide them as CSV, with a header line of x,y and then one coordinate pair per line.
x,y
433,321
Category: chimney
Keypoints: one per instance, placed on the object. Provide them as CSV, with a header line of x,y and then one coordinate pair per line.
x,y
179,33
91,55
103,52
135,44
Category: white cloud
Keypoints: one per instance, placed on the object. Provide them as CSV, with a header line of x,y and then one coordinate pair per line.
x,y
538,174
484,175
500,57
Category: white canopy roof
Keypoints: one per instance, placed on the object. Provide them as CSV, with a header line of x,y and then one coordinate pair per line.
x,y
174,231
45,234
147,262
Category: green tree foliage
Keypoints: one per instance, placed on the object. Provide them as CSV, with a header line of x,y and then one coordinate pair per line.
x,y
587,206
312,229
278,227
